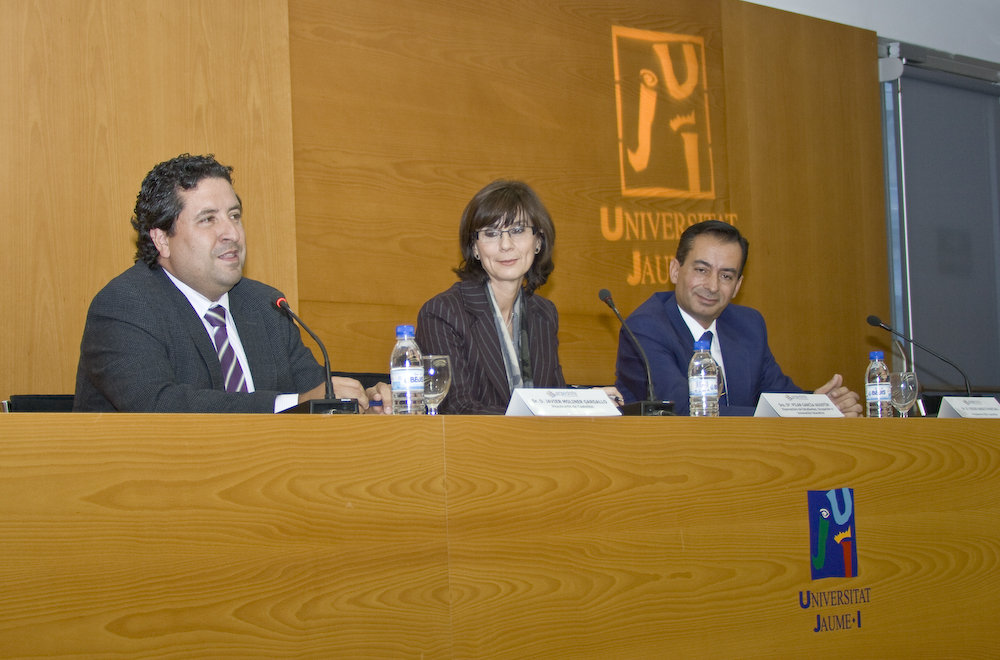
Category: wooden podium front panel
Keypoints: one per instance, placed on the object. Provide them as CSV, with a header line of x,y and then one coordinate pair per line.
x,y
476,537
641,538
221,536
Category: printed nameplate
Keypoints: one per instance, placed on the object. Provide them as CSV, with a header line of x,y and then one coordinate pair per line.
x,y
969,406
527,401
775,404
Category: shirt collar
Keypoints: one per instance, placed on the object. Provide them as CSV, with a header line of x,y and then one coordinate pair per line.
x,y
696,328
200,303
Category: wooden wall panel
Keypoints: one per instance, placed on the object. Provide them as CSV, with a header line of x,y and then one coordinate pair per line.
x,y
805,134
402,111
94,93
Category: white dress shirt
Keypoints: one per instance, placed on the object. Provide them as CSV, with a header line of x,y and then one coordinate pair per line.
x,y
201,305
697,331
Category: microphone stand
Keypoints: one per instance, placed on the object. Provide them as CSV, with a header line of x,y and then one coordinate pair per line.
x,y
876,322
328,405
651,407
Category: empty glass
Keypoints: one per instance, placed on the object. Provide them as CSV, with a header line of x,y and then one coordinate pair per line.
x,y
437,380
904,391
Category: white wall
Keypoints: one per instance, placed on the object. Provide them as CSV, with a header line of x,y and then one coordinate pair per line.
x,y
959,27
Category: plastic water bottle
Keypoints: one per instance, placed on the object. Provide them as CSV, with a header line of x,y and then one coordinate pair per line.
x,y
878,392
703,382
406,371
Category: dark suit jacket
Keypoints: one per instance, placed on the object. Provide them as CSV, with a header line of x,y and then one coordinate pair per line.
x,y
669,345
144,349
459,323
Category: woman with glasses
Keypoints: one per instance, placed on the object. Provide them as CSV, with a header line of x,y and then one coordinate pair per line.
x,y
499,333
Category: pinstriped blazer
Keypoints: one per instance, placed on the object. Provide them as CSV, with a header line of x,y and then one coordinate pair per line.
x,y
144,349
459,323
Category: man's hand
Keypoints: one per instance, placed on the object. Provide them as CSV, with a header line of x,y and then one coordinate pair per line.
x,y
847,402
343,388
349,388
380,399
613,394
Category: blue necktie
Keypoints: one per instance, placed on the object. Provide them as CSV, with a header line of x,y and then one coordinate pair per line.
x,y
722,379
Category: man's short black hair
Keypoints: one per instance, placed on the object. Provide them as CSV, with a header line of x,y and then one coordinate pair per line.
x,y
721,230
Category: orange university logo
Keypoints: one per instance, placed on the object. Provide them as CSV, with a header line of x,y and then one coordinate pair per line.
x,y
664,143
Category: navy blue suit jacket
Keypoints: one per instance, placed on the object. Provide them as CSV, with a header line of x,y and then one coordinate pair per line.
x,y
657,323
144,349
459,323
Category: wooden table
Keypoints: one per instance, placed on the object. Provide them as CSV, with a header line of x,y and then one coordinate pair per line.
x,y
475,537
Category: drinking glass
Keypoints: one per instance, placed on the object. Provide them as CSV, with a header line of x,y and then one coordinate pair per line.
x,y
437,380
904,391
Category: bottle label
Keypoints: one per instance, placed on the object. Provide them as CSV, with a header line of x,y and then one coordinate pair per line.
x,y
881,392
407,379
703,386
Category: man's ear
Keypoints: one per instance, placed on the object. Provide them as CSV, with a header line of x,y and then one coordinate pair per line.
x,y
675,269
161,241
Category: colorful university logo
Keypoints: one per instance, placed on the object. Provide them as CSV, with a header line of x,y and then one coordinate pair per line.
x,y
664,134
832,534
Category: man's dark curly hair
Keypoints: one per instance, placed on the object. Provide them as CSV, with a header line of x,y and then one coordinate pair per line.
x,y
159,203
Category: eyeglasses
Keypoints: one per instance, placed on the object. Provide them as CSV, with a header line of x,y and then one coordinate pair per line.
x,y
493,235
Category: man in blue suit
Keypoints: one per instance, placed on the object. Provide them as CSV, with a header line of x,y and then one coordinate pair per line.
x,y
707,273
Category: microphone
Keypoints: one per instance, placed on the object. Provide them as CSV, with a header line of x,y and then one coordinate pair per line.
x,y
651,407
328,405
876,322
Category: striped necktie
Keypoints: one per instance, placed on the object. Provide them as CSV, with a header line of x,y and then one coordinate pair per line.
x,y
232,372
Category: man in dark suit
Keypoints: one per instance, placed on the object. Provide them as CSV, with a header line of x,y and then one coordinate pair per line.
x,y
707,273
182,330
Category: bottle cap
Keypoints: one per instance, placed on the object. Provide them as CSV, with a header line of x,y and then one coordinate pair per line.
x,y
404,332
701,345
876,355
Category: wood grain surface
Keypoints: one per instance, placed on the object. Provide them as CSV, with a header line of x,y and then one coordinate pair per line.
x,y
461,537
94,93
359,131
402,111
210,537
805,140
